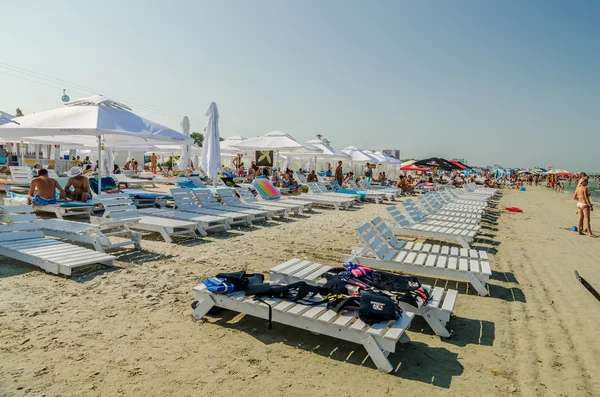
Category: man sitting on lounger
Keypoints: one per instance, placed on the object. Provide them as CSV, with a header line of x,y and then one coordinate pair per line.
x,y
81,186
46,190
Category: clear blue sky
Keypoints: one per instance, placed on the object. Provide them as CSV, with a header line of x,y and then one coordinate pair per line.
x,y
509,82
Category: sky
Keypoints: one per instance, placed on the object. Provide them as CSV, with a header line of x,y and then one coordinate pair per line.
x,y
515,83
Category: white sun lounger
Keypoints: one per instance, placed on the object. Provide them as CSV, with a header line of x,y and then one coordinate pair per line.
x,y
442,230
207,200
382,249
205,223
436,312
247,196
418,215
432,207
435,202
185,201
390,192
378,339
377,197
130,182
320,190
119,206
97,235
446,197
22,238
230,199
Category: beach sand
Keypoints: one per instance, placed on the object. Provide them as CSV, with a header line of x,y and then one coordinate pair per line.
x,y
130,331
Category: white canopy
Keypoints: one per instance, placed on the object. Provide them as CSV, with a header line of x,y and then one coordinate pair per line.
x,y
276,140
359,157
390,159
328,152
82,121
306,151
228,146
211,149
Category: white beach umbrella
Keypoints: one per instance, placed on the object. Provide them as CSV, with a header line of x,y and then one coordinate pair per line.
x,y
211,149
276,140
87,121
359,157
306,151
228,146
328,152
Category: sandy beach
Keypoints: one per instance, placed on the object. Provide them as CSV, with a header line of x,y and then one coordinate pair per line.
x,y
129,331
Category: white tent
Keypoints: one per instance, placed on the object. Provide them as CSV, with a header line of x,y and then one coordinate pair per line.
x,y
211,149
89,121
359,157
307,150
328,152
276,140
228,146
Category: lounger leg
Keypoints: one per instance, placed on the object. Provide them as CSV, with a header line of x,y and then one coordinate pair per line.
x,y
203,307
164,235
461,240
478,285
377,355
201,230
436,325
98,246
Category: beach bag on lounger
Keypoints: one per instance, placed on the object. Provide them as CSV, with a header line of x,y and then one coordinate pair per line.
x,y
405,288
376,308
241,279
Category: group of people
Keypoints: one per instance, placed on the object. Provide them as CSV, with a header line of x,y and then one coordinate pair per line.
x,y
45,190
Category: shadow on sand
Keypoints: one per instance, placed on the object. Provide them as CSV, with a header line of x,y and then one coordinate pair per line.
x,y
414,360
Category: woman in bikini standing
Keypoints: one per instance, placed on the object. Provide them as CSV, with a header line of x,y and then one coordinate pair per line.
x,y
584,206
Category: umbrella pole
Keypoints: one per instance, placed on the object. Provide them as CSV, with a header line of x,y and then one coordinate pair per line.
x,y
22,154
100,165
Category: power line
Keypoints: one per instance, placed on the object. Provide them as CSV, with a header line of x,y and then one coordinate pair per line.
x,y
50,81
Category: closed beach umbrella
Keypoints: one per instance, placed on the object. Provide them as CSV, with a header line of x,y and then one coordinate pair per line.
x,y
184,159
211,148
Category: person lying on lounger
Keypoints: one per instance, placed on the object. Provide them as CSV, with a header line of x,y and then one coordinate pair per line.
x,y
43,190
80,184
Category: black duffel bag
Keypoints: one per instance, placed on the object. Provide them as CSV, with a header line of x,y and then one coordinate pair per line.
x,y
377,308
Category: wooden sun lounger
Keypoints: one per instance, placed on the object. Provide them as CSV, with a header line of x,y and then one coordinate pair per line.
x,y
97,235
185,201
436,312
384,250
377,197
119,206
22,238
321,190
443,231
207,200
205,223
247,196
230,199
378,339
418,215
390,193
438,205
122,178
